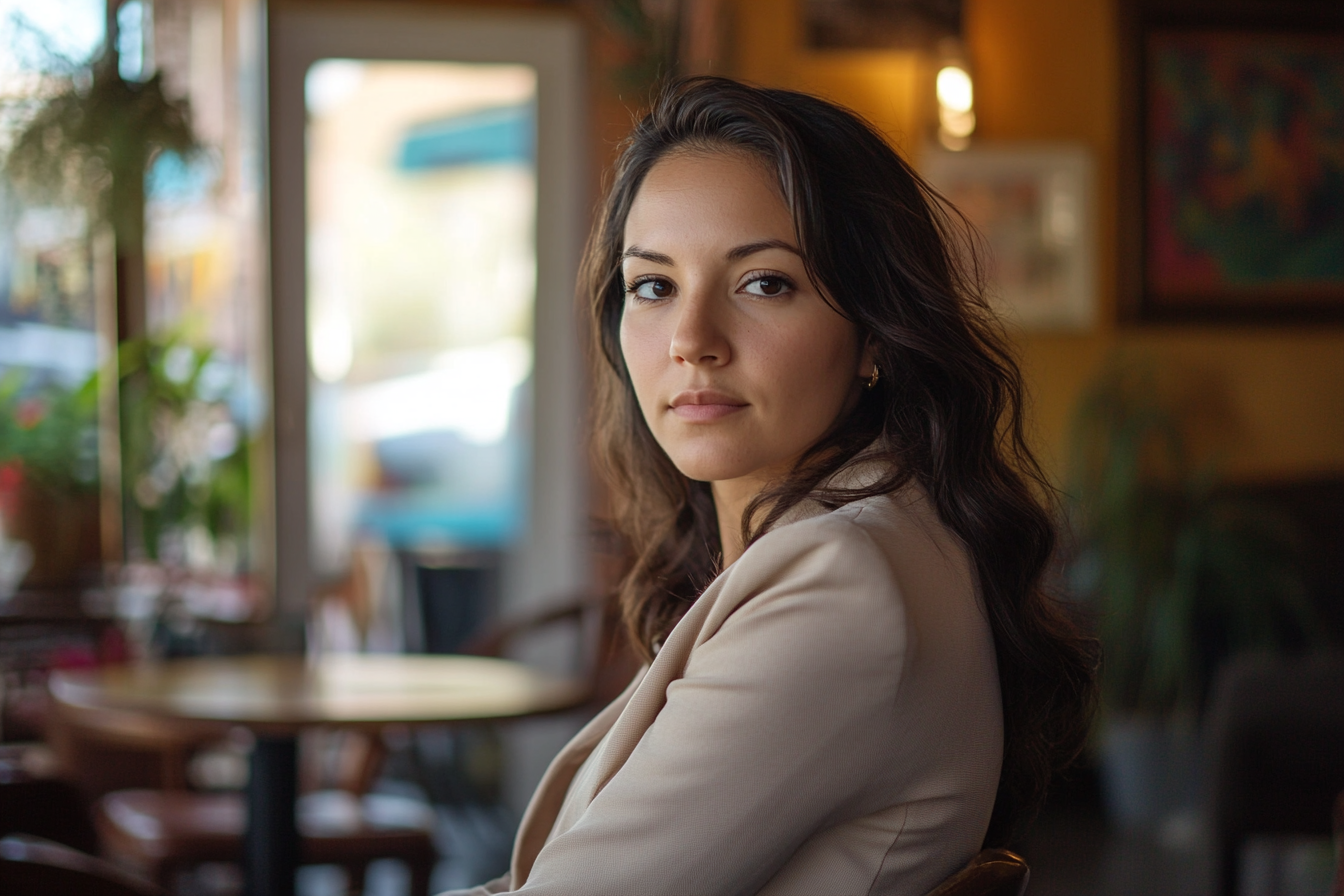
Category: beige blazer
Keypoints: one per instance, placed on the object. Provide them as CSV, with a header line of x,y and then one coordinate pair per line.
x,y
825,719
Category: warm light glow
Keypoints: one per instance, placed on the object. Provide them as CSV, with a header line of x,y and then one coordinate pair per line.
x,y
955,91
957,124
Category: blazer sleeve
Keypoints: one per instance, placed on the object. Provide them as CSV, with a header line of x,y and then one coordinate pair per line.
x,y
778,728
495,887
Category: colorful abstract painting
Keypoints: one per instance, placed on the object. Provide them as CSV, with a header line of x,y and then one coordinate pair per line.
x,y
1244,169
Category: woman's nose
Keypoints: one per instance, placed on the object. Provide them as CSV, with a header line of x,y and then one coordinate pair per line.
x,y
699,337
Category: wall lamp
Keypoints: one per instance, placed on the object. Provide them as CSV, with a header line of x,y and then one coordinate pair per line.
x,y
931,28
955,90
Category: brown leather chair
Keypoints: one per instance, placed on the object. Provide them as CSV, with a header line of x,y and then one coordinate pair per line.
x,y
31,866
994,872
160,833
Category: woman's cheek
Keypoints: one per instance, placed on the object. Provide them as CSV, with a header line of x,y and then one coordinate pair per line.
x,y
639,347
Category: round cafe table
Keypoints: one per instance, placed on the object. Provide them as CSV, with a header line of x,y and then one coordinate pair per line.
x,y
276,697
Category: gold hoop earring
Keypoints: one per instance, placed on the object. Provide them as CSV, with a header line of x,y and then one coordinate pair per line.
x,y
872,380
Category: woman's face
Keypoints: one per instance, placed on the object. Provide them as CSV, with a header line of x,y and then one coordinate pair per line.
x,y
738,362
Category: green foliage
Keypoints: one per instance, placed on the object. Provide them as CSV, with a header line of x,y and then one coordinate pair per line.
x,y
50,432
184,457
1182,575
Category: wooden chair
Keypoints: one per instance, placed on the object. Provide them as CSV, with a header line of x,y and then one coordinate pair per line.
x,y
576,634
161,833
994,872
605,661
123,750
31,866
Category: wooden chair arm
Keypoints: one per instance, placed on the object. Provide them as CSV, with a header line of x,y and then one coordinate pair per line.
x,y
495,639
993,872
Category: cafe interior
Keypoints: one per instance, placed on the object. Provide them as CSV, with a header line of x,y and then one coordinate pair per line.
x,y
304,567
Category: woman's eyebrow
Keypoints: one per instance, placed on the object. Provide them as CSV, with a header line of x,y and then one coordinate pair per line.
x,y
647,255
740,252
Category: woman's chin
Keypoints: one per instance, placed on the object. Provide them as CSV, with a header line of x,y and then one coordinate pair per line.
x,y
717,465
708,469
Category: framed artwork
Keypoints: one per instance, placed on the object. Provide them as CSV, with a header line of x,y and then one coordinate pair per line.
x,y
1033,205
1233,198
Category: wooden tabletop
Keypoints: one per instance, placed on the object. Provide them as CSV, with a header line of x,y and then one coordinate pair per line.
x,y
279,695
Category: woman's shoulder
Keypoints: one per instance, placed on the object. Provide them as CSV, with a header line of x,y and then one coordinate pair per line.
x,y
865,561
887,530
841,558
817,597
837,542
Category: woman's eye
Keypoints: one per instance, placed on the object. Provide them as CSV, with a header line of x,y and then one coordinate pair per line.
x,y
650,289
768,286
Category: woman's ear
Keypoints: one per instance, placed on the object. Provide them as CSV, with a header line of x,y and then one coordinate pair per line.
x,y
867,360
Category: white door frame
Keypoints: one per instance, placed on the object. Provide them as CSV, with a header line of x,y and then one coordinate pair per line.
x,y
552,558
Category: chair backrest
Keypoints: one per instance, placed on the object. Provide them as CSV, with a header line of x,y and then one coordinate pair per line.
x,y
339,759
31,866
994,872
606,661
101,750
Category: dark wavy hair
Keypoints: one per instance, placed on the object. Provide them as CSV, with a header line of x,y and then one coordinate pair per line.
x,y
896,260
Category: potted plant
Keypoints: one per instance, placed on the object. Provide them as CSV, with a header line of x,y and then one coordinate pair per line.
x,y
1182,576
184,454
49,475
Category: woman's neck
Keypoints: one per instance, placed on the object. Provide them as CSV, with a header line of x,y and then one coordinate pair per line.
x,y
731,497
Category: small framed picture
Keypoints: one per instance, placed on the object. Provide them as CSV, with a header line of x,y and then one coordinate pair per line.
x,y
1034,206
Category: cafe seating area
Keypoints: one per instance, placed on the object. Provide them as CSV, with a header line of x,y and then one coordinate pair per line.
x,y
306,571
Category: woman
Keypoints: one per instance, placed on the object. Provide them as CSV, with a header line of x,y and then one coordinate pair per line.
x,y
811,424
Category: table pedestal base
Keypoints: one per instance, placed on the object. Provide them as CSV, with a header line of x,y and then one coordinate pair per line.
x,y
271,847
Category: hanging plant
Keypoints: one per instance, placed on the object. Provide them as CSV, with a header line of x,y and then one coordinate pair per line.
x,y
91,143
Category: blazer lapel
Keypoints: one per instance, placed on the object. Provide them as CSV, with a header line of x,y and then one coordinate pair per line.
x,y
623,723
545,804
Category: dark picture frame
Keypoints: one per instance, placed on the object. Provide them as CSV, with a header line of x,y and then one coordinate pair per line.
x,y
1232,161
878,24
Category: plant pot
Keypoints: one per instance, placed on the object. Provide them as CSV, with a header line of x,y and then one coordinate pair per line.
x,y
62,531
1151,771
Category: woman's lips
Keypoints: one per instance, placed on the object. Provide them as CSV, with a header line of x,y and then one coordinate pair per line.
x,y
705,405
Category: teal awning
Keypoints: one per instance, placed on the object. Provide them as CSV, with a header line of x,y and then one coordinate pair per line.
x,y
489,136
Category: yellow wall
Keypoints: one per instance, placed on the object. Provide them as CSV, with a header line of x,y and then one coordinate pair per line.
x,y
1048,70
